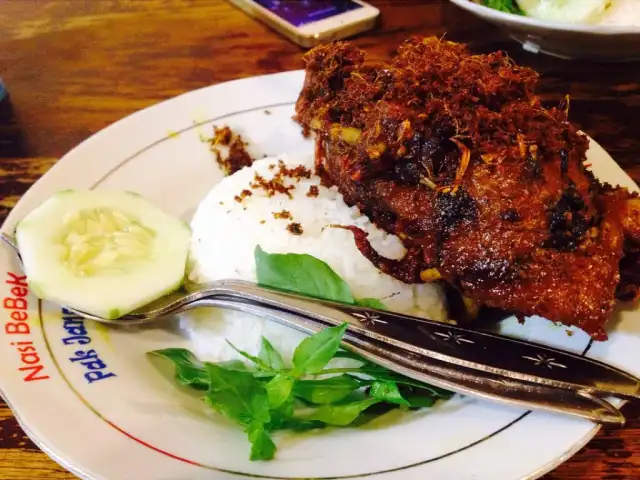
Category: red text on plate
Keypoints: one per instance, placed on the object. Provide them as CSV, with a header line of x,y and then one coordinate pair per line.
x,y
17,326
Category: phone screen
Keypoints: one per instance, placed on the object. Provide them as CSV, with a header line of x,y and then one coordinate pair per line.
x,y
302,12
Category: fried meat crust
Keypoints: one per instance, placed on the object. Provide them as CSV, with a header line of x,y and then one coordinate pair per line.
x,y
456,155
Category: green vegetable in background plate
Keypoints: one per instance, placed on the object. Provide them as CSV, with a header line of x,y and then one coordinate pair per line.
x,y
507,6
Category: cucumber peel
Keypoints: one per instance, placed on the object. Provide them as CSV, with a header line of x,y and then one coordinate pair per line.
x,y
104,252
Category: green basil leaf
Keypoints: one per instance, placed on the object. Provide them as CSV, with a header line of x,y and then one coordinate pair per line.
x,y
314,352
300,424
259,362
343,414
424,397
420,401
430,390
262,446
302,274
237,365
371,303
372,413
237,395
387,392
327,390
382,374
189,370
279,389
280,415
282,418
270,356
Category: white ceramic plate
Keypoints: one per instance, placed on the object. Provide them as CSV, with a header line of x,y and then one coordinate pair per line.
x,y
89,397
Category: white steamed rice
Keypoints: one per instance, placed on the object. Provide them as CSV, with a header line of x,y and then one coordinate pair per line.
x,y
226,232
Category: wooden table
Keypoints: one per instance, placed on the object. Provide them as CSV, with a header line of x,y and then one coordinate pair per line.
x,y
74,67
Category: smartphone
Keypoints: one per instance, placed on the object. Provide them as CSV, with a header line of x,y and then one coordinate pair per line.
x,y
311,22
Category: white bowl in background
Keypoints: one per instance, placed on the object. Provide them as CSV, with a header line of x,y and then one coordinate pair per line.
x,y
565,40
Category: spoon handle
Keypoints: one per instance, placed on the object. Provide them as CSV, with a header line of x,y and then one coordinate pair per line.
x,y
496,388
474,350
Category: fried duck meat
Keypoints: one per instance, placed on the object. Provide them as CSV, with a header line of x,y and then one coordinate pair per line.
x,y
488,190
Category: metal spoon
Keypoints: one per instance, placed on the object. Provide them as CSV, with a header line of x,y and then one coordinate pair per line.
x,y
437,367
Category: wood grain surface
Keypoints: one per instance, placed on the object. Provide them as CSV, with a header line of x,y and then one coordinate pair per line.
x,y
72,67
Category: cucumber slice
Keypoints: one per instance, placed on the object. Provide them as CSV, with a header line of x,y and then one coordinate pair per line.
x,y
104,252
569,11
